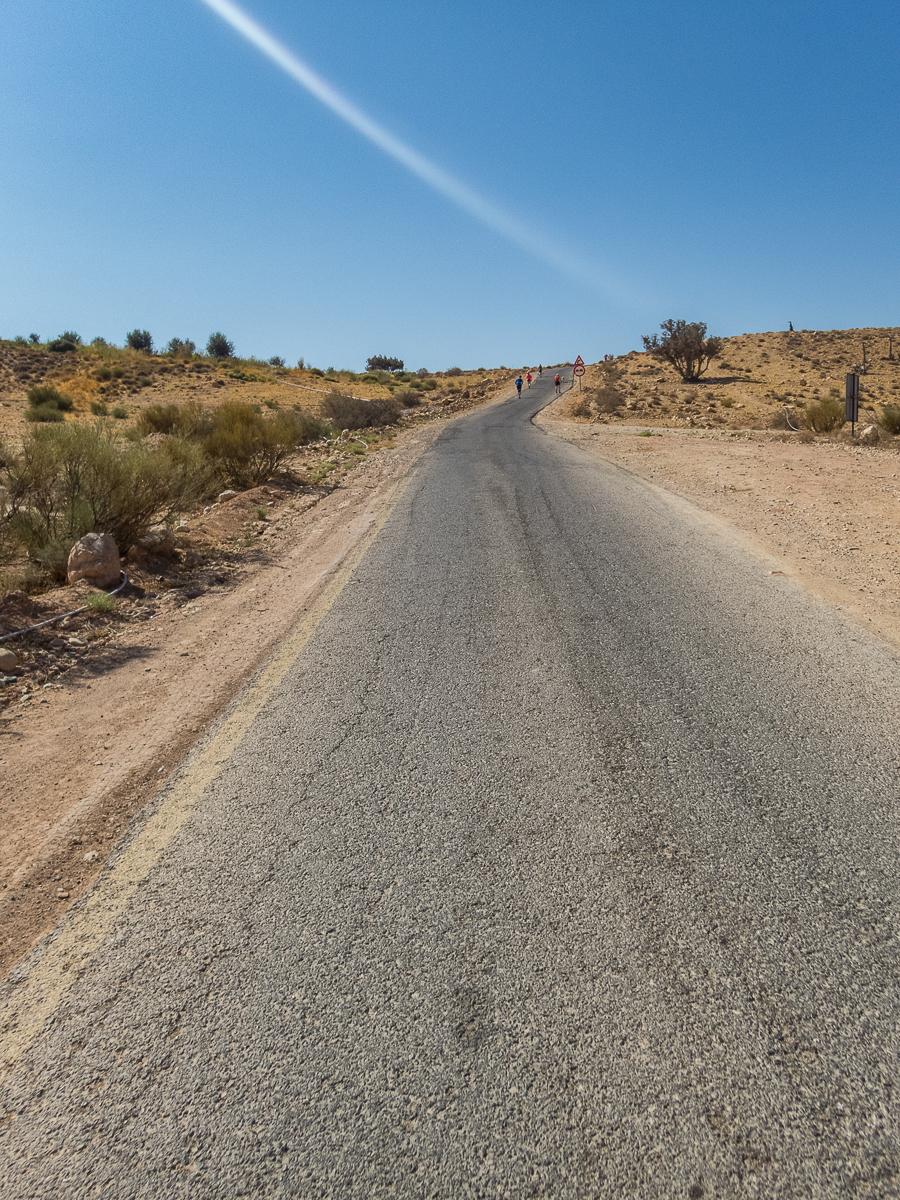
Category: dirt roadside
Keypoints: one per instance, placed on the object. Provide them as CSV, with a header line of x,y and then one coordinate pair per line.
x,y
825,513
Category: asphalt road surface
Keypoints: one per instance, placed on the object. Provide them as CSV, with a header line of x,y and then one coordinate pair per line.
x,y
560,860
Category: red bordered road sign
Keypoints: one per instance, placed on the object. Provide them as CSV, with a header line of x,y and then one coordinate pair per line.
x,y
578,369
579,361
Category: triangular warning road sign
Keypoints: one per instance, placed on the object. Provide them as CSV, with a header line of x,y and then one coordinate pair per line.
x,y
579,361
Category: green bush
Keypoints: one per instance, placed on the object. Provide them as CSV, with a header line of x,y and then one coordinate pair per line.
x,y
139,339
219,346
74,479
890,419
381,362
61,346
99,409
825,415
45,394
181,348
44,412
70,336
102,602
347,412
103,374
120,412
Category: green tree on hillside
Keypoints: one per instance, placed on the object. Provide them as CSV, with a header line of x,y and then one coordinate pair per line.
x,y
380,362
685,345
139,339
219,346
181,347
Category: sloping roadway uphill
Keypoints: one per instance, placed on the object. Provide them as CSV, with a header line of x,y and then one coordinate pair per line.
x,y
557,858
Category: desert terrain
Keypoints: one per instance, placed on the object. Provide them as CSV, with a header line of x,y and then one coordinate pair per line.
x,y
102,706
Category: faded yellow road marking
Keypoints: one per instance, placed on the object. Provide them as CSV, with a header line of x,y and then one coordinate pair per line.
x,y
32,1001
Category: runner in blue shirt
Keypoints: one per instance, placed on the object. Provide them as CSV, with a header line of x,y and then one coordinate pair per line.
x,y
519,385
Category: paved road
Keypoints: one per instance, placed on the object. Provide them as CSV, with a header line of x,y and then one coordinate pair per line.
x,y
562,862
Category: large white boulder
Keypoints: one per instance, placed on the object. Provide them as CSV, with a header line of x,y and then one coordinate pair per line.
x,y
95,557
869,436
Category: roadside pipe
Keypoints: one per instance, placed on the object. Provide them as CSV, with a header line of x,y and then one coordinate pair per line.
x,y
62,616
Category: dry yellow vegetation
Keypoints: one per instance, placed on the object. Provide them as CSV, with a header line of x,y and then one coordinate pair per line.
x,y
756,375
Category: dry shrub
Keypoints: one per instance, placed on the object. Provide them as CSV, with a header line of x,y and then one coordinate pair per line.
x,y
44,394
890,419
825,415
601,397
409,399
348,412
247,447
580,407
44,412
184,420
74,479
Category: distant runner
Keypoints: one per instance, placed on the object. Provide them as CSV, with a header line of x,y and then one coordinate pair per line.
x,y
528,379
519,385
540,369
558,383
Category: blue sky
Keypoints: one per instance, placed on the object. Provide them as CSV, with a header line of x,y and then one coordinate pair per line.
x,y
736,164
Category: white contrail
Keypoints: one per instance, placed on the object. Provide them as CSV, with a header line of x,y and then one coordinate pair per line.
x,y
489,214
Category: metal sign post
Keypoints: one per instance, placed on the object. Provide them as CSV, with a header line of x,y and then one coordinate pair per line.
x,y
851,403
578,369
